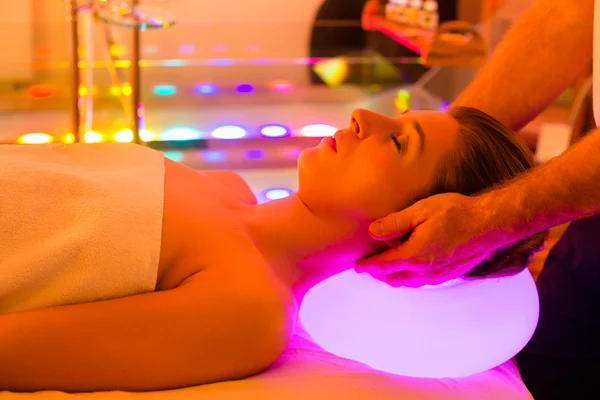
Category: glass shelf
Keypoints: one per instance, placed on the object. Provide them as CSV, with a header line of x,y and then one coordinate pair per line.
x,y
145,15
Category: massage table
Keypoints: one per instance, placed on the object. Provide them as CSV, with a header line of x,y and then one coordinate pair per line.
x,y
306,371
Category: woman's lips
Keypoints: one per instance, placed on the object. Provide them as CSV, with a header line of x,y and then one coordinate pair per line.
x,y
330,141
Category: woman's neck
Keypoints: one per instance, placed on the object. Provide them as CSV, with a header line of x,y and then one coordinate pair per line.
x,y
304,246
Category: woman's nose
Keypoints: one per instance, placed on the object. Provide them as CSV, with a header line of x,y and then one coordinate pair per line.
x,y
358,121
364,122
355,126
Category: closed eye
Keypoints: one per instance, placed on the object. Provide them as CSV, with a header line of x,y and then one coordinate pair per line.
x,y
397,143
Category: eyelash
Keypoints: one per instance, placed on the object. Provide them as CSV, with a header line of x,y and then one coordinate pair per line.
x,y
397,143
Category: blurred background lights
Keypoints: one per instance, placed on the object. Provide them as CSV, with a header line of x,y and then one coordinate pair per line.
x,y
262,61
124,136
116,90
181,133
174,156
117,50
206,89
277,193
84,90
229,132
187,48
255,154
35,138
244,88
92,137
68,138
213,155
164,90
174,63
334,71
41,91
274,131
126,89
147,135
318,130
220,62
280,86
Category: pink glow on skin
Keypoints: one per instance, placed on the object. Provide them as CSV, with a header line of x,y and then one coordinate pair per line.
x,y
292,152
452,330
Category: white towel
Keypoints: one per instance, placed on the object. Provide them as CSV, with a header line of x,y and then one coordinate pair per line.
x,y
78,223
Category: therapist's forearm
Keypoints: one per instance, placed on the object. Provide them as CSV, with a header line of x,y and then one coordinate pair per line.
x,y
538,58
562,190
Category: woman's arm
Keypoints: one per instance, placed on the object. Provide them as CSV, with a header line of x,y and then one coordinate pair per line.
x,y
539,57
197,333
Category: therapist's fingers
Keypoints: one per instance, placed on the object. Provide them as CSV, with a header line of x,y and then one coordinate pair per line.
x,y
395,225
408,279
415,279
393,260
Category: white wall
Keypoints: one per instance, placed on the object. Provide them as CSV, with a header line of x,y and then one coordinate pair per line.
x,y
237,29
16,40
232,29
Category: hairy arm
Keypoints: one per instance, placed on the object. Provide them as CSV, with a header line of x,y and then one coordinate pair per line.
x,y
564,189
539,57
187,336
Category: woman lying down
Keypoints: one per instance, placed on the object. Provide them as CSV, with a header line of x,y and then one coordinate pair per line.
x,y
123,270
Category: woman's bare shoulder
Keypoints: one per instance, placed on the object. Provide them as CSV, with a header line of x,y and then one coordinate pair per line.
x,y
235,183
232,182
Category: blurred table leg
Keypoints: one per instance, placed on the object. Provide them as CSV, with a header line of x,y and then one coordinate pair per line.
x,y
76,76
136,106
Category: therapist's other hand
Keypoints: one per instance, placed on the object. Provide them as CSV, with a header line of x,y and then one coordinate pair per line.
x,y
450,234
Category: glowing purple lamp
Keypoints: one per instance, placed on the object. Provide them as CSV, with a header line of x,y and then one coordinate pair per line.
x,y
452,330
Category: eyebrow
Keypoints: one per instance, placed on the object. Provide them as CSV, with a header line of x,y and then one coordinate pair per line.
x,y
419,130
417,126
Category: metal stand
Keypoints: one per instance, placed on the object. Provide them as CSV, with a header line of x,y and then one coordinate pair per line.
x,y
130,20
73,14
136,95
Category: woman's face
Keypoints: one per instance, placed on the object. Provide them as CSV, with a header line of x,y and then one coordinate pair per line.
x,y
377,165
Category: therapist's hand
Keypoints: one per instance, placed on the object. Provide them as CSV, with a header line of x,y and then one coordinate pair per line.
x,y
450,234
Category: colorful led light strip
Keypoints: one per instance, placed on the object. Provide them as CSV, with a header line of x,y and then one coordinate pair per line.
x,y
223,61
182,133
